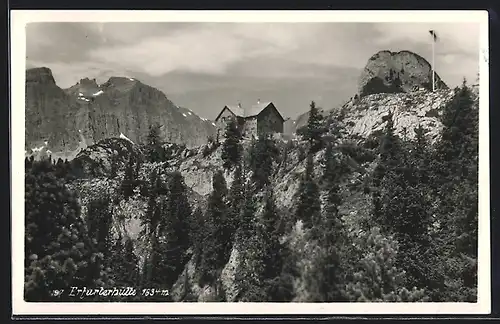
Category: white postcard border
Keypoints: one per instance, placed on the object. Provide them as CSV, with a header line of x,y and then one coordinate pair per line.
x,y
20,18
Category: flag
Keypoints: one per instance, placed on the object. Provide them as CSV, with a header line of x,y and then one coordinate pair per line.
x,y
433,33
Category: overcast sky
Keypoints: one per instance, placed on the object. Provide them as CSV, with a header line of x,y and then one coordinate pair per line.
x,y
204,66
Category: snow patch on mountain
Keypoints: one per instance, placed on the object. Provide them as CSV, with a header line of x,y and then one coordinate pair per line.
x,y
37,149
98,93
125,138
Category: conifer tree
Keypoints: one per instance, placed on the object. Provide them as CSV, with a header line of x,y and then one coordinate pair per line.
x,y
28,162
179,209
378,279
390,160
401,205
59,252
250,270
125,263
273,257
231,149
236,200
308,207
197,229
169,247
414,220
152,217
250,156
328,277
60,170
455,170
263,154
154,148
160,270
168,219
270,219
113,168
138,164
283,289
314,130
99,222
129,180
421,156
457,155
214,244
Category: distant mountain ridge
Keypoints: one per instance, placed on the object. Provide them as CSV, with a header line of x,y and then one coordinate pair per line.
x,y
119,106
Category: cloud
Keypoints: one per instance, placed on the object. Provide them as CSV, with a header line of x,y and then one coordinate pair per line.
x,y
200,63
456,51
216,48
55,42
463,37
208,48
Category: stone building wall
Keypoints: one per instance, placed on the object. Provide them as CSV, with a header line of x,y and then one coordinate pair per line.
x,y
223,118
250,127
269,122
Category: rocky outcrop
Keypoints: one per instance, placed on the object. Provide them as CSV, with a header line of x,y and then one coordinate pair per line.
x,y
366,115
119,106
392,72
96,160
41,75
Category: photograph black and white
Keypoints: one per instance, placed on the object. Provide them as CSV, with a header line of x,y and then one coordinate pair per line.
x,y
272,162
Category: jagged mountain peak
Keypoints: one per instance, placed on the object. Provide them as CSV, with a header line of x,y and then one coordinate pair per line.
x,y
121,105
121,79
118,81
88,82
123,84
42,75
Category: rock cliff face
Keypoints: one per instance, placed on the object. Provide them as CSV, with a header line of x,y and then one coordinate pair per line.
x,y
50,112
119,106
390,72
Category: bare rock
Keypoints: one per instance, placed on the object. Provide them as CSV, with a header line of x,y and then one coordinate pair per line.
x,y
96,160
410,110
120,105
393,72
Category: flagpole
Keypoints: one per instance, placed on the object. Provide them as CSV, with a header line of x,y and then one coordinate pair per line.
x,y
433,44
